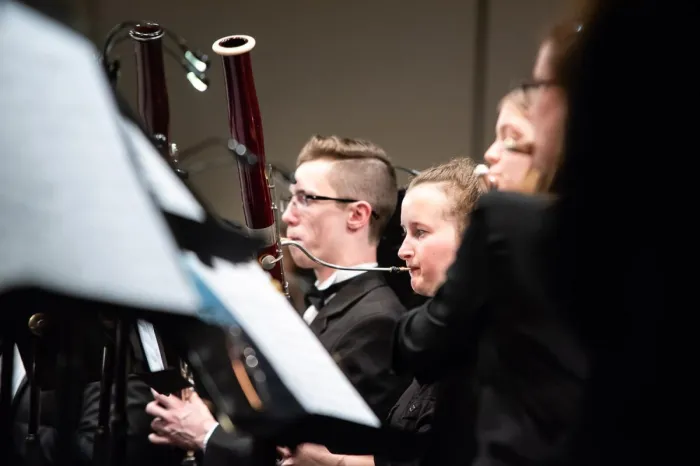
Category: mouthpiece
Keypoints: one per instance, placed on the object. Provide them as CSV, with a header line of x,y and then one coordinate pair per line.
x,y
233,45
482,172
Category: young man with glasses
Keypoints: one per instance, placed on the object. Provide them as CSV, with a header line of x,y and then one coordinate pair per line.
x,y
344,194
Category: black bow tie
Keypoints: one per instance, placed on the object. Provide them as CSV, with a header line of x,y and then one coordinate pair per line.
x,y
318,298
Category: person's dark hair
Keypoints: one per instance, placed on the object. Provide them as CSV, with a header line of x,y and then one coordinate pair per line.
x,y
562,39
361,170
566,38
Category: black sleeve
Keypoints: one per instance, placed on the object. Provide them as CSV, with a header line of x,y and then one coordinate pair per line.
x,y
364,356
437,335
228,449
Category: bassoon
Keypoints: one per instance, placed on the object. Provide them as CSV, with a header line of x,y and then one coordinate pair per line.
x,y
152,89
257,190
247,143
154,109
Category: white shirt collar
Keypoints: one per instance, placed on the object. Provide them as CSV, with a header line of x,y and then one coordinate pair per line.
x,y
337,277
342,275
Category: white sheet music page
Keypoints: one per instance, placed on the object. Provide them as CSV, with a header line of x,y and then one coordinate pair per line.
x,y
301,362
75,217
18,373
172,194
149,342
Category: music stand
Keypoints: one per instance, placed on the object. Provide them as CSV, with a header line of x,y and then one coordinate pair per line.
x,y
79,234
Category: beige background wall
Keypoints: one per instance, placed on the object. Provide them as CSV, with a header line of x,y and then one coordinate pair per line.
x,y
398,72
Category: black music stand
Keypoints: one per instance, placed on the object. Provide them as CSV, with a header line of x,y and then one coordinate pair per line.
x,y
80,237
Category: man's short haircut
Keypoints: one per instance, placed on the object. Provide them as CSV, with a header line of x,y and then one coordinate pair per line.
x,y
361,170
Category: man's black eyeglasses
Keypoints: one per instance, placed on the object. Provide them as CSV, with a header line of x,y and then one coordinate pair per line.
x,y
303,199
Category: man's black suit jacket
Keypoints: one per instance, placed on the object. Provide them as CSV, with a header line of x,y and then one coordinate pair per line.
x,y
356,327
496,319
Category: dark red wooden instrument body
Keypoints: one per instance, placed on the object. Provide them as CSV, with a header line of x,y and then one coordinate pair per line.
x,y
152,89
245,125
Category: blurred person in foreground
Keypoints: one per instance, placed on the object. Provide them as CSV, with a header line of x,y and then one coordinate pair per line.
x,y
616,242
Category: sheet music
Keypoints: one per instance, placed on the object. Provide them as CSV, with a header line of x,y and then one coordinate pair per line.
x,y
18,373
149,342
301,362
213,310
171,192
74,215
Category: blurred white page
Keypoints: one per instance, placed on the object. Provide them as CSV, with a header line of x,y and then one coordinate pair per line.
x,y
170,191
18,372
298,358
75,217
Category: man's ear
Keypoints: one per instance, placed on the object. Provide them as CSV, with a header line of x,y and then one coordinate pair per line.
x,y
359,215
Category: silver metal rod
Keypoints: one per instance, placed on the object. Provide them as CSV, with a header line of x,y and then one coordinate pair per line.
x,y
289,242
